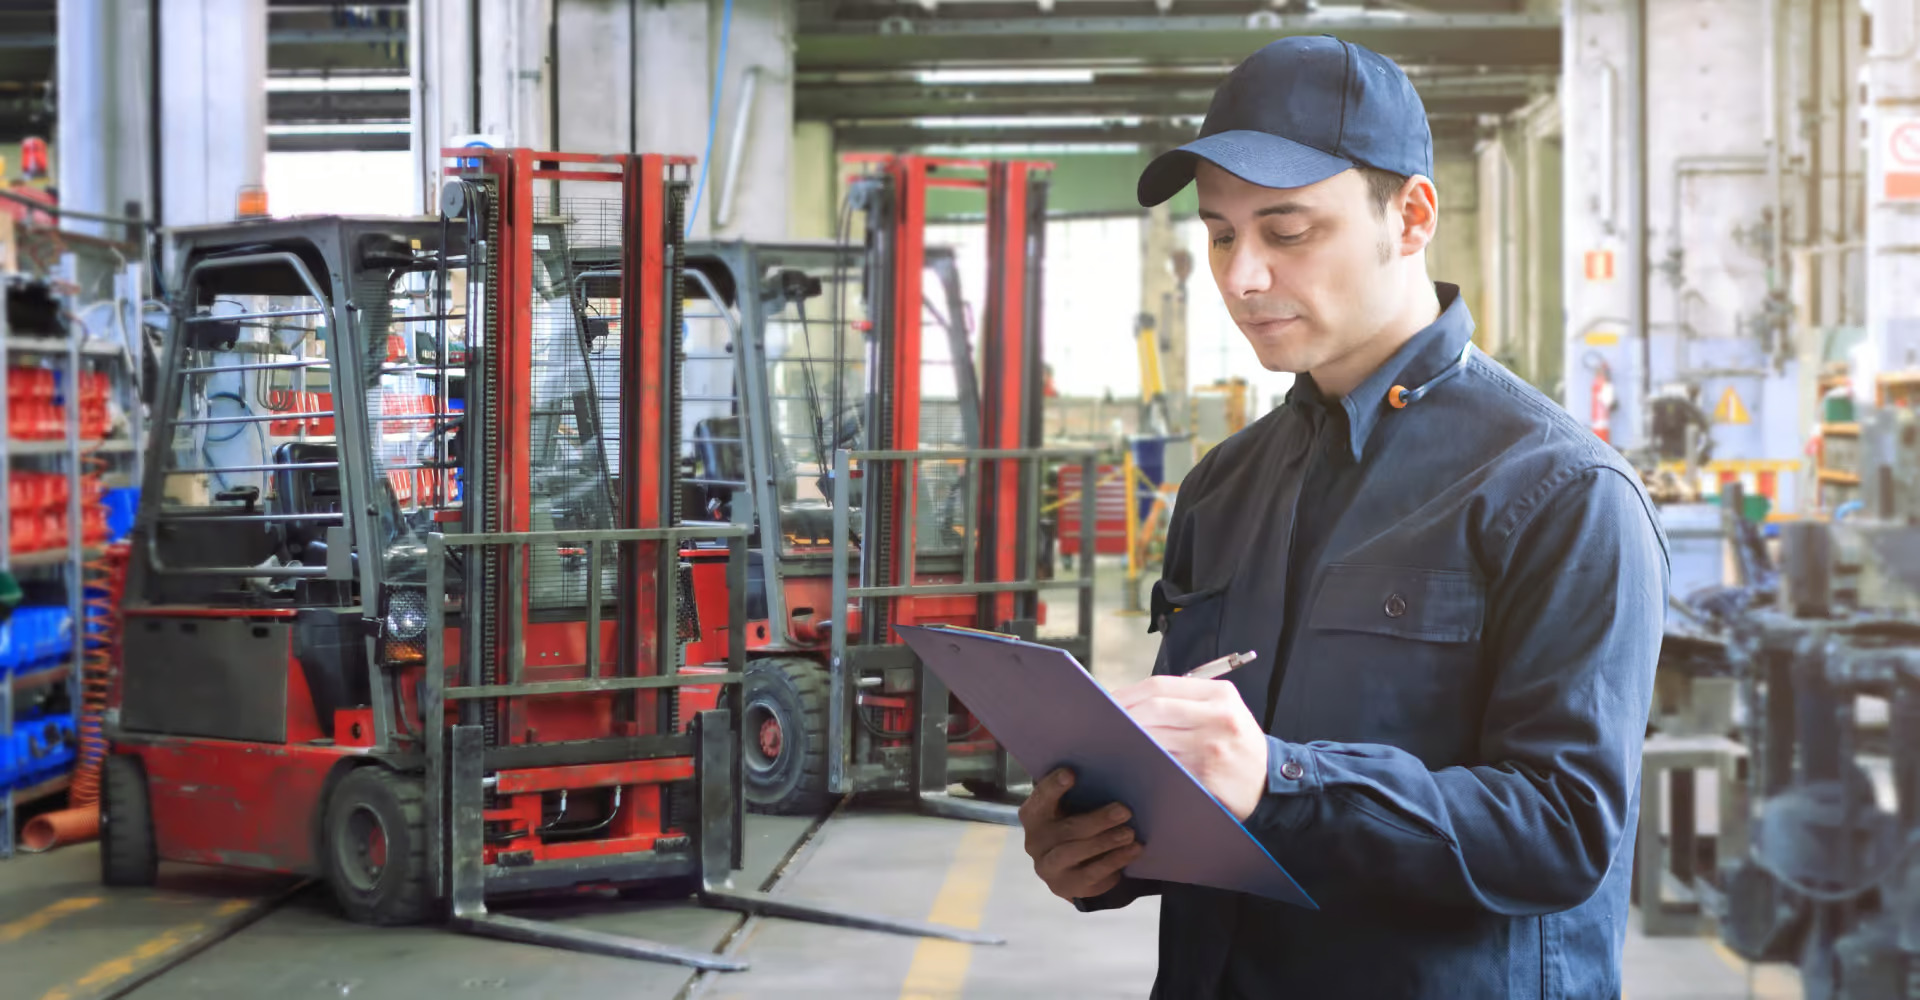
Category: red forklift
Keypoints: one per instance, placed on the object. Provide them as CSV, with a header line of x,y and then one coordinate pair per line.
x,y
837,409
410,605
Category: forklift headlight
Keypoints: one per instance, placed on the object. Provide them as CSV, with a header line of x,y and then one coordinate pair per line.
x,y
406,614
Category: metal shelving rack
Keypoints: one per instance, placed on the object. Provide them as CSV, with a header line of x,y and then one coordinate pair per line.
x,y
70,562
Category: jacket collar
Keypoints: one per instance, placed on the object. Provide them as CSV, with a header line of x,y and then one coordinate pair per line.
x,y
1426,355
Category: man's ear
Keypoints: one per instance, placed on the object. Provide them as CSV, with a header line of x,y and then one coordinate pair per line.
x,y
1419,207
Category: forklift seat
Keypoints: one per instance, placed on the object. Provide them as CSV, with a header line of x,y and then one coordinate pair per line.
x,y
720,452
305,491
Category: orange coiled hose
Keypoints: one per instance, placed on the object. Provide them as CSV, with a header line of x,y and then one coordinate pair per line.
x,y
106,579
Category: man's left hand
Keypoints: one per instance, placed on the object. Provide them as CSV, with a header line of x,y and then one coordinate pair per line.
x,y
1207,728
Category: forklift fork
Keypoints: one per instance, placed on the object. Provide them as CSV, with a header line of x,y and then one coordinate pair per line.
x,y
468,881
717,742
930,762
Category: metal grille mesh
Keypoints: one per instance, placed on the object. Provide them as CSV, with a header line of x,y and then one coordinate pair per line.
x,y
689,616
220,432
575,379
407,408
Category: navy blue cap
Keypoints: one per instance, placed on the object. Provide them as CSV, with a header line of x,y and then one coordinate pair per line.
x,y
1299,111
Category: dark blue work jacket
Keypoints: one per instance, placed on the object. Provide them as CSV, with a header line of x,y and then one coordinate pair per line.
x,y
1457,606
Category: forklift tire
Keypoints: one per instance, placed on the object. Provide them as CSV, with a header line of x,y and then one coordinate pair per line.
x,y
375,847
784,736
127,853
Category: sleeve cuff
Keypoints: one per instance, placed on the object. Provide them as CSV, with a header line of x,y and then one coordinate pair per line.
x,y
1292,768
1120,895
1293,781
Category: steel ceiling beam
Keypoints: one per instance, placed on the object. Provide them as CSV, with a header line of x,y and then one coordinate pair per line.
x,y
338,106
1175,97
330,142
1147,135
921,40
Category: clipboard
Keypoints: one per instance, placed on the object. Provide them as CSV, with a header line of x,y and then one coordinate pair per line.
x,y
1049,712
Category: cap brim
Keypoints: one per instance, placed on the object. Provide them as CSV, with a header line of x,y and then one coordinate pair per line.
x,y
1255,157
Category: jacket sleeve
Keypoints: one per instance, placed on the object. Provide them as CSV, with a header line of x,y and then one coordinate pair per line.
x,y
1573,630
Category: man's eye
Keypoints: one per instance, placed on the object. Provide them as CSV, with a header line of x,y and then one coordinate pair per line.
x,y
1289,237
1223,241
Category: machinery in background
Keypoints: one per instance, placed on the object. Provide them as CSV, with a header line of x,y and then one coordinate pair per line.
x,y
884,482
1220,410
405,602
1147,338
1832,879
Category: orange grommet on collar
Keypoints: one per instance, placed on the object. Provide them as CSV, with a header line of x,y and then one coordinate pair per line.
x,y
1397,397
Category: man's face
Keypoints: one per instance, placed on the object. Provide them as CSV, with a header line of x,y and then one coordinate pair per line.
x,y
1309,274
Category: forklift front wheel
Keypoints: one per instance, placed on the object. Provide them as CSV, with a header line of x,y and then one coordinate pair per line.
x,y
127,853
376,847
785,732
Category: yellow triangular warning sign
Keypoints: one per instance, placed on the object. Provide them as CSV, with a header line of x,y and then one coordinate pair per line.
x,y
1731,410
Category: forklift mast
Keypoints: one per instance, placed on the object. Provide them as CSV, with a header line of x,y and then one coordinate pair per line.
x,y
890,476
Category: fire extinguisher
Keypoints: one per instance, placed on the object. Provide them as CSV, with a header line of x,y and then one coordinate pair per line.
x,y
1603,400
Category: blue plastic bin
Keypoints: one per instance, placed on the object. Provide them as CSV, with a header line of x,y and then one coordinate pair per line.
x,y
35,637
40,636
121,505
44,748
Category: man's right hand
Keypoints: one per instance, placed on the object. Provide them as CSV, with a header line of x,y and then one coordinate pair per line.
x,y
1079,857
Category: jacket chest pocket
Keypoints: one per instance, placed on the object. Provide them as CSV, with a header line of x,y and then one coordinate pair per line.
x,y
1393,655
1189,626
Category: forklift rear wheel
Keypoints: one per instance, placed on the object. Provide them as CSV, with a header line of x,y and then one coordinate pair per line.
x,y
785,736
376,847
127,854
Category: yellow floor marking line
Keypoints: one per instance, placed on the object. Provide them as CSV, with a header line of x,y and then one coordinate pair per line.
x,y
115,969
939,967
32,922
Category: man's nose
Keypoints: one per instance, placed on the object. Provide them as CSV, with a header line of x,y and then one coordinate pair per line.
x,y
1246,273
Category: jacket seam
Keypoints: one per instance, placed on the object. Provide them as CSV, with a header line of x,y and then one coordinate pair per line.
x,y
1521,512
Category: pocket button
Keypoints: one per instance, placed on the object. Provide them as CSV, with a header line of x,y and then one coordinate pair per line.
x,y
1396,606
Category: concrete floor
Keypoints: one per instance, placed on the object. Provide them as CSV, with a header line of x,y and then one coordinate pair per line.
x,y
211,935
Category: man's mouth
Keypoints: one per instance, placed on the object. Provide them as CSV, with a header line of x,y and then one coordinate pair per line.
x,y
1270,325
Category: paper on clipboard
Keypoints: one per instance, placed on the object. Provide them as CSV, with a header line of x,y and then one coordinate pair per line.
x,y
1049,712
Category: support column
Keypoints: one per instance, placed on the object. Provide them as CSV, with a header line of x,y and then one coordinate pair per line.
x,y
483,70
440,35
637,76
1181,263
213,101
815,195
1893,224
1454,254
516,72
674,77
1159,298
747,182
673,89
600,76
102,143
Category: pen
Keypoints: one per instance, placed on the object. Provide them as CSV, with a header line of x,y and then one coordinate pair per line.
x,y
1221,666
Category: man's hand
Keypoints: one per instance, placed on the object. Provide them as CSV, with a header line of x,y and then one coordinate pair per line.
x,y
1207,728
1078,857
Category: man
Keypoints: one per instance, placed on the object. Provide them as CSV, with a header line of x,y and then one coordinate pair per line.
x,y
1455,590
